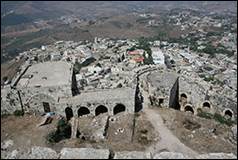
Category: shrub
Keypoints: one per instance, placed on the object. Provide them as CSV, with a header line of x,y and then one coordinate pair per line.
x,y
205,115
63,132
4,115
18,113
222,119
51,137
217,117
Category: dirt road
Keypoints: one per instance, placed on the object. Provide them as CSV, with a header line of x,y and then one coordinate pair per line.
x,y
168,140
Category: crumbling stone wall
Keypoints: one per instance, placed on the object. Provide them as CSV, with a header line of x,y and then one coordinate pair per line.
x,y
9,101
35,103
53,91
221,102
195,92
32,98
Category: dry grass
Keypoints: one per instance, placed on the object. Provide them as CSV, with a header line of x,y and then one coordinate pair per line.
x,y
198,133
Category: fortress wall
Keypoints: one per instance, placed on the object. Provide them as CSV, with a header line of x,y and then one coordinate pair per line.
x,y
108,98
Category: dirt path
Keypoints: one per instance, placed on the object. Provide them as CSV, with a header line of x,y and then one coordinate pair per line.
x,y
168,140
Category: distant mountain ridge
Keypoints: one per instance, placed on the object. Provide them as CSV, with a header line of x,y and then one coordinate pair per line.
x,y
52,9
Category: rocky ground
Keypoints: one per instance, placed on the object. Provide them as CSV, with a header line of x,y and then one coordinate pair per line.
x,y
24,132
202,135
159,133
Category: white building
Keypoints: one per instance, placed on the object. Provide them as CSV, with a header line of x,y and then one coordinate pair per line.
x,y
190,58
85,51
158,55
43,48
55,57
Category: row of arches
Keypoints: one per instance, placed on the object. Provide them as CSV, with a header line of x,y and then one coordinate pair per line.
x,y
228,113
188,107
184,97
99,110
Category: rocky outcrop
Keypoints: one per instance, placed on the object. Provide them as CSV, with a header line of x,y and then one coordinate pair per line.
x,y
84,153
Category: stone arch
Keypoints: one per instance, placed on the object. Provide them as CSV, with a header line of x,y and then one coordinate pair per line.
x,y
119,108
228,113
206,104
83,111
183,95
68,113
100,109
188,107
161,101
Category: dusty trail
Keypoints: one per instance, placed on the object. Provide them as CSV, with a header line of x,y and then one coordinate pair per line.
x,y
168,141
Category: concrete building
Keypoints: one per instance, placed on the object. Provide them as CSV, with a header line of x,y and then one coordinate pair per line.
x,y
158,56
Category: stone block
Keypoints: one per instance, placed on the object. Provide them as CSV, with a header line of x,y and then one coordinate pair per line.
x,y
84,153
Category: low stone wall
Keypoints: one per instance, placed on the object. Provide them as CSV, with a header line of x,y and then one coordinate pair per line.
x,y
37,152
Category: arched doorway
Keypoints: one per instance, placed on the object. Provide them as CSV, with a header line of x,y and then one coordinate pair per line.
x,y
206,104
68,113
228,114
161,101
183,95
188,108
100,109
83,111
119,108
183,99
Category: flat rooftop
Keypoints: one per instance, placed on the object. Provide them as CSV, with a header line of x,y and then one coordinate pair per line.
x,y
47,74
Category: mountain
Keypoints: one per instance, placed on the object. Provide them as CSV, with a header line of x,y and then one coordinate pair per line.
x,y
33,10
29,24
